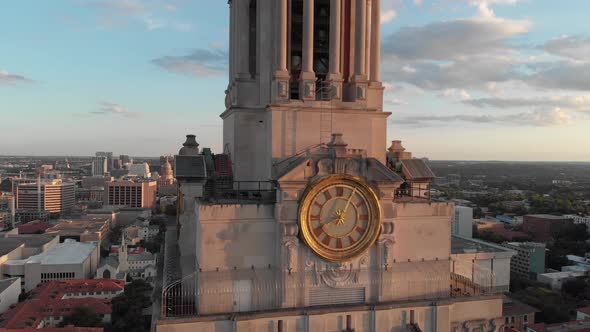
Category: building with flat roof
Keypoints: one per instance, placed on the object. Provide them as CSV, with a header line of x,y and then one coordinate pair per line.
x,y
481,262
571,326
529,260
62,261
9,292
544,227
89,228
555,280
133,194
56,196
34,227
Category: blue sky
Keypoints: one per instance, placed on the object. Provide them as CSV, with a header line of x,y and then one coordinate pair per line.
x,y
466,79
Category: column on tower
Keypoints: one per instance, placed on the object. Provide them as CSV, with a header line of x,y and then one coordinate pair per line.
x,y
374,76
243,10
368,28
335,75
307,79
359,78
282,74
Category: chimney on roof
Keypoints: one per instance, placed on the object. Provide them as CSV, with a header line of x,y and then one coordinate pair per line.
x,y
190,147
398,152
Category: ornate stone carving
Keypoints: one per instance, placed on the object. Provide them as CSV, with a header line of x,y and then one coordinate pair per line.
x,y
325,167
387,228
290,230
495,325
386,246
291,245
478,325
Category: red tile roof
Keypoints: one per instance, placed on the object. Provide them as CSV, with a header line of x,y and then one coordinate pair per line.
x,y
59,288
517,308
59,329
48,300
31,312
34,227
584,310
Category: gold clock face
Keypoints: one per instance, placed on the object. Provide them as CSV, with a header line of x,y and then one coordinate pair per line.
x,y
340,217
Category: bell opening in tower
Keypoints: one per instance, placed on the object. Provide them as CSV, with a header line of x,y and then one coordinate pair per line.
x,y
321,45
252,22
296,45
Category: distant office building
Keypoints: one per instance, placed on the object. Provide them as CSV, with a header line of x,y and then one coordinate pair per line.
x,y
579,219
109,157
99,166
462,223
125,159
134,194
142,170
7,210
529,260
543,227
18,181
55,196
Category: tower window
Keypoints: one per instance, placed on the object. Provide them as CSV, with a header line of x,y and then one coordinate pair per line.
x,y
252,19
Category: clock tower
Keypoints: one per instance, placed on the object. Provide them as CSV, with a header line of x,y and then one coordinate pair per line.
x,y
307,222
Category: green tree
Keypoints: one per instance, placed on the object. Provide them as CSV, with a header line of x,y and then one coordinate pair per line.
x,y
82,317
575,288
128,308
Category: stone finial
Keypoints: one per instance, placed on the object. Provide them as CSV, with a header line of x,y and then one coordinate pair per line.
x,y
337,145
190,147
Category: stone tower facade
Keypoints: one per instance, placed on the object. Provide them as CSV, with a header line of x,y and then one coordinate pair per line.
x,y
301,70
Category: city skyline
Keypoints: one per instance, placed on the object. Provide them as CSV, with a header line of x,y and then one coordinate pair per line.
x,y
135,76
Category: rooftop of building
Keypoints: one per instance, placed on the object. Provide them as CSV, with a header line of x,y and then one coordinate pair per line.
x,y
512,307
526,244
31,312
110,261
33,227
69,328
13,241
584,310
59,288
547,216
68,252
88,223
464,245
4,284
573,326
144,256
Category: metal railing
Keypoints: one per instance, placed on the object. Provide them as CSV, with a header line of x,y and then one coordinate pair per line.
x,y
260,290
227,191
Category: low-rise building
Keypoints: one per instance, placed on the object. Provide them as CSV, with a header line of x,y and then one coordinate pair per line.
x,y
62,261
50,302
555,280
142,266
572,326
585,220
89,228
544,227
34,227
9,291
517,315
529,260
485,264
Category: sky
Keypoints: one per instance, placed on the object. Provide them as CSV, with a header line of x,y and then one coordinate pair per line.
x,y
465,79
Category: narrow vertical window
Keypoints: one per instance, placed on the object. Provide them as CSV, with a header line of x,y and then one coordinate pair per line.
x,y
252,19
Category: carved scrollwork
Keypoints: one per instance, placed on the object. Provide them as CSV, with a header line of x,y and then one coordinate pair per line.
x,y
339,275
386,246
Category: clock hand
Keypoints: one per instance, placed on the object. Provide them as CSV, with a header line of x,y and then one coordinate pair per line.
x,y
349,200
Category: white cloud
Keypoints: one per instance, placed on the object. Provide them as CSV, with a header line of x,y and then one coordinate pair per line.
x,y
7,78
573,47
537,118
108,108
199,63
388,16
